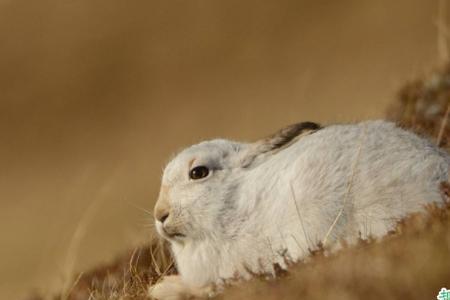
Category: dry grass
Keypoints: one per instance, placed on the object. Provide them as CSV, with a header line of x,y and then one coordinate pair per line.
x,y
127,278
413,262
423,106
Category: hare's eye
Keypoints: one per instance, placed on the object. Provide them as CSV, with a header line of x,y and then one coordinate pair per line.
x,y
198,172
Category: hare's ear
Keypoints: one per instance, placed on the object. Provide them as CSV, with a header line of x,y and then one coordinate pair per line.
x,y
281,139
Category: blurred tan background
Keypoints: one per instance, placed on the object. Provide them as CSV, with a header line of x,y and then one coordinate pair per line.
x,y
96,95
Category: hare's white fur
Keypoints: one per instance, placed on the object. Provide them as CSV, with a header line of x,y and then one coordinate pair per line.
x,y
260,208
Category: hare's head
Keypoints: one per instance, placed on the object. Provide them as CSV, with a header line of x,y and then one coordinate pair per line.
x,y
199,187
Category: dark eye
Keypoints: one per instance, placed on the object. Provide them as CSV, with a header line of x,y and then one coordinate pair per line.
x,y
198,172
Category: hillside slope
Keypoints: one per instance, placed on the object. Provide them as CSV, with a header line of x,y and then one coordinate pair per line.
x,y
413,262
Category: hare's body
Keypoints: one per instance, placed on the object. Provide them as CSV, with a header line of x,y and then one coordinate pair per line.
x,y
265,205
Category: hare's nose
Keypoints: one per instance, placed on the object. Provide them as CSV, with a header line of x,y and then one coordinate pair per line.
x,y
162,207
163,217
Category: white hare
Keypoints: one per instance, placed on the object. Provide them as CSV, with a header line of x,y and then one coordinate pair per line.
x,y
232,209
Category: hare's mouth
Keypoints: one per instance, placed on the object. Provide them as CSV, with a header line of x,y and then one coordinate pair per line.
x,y
172,235
178,236
175,235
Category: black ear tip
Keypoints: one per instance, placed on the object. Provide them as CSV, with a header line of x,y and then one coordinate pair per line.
x,y
287,134
311,125
303,126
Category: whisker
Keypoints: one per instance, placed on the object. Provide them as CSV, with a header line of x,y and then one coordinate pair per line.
x,y
142,209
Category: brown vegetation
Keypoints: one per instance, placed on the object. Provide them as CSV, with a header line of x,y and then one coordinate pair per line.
x,y
127,278
423,105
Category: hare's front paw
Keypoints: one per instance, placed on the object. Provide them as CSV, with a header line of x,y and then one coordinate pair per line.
x,y
173,288
170,288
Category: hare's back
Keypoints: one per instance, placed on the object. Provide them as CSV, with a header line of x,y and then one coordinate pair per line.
x,y
378,169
